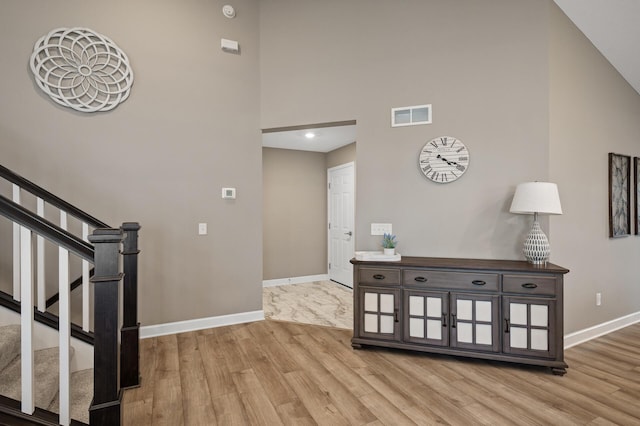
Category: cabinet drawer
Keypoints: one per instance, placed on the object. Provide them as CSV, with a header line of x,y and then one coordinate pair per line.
x,y
379,276
451,280
528,284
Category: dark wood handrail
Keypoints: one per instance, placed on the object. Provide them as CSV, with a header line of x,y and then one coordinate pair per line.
x,y
74,284
104,251
46,229
46,318
51,199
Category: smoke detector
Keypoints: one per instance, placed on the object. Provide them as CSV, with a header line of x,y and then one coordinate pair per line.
x,y
228,11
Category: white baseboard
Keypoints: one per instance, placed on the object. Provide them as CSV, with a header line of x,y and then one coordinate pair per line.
x,y
295,280
199,324
587,334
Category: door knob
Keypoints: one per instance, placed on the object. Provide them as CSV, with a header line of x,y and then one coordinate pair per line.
x,y
348,233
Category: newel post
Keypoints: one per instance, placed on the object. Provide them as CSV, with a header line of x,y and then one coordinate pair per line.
x,y
130,335
107,397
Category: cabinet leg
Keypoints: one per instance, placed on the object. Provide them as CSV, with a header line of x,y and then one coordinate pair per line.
x,y
557,371
356,346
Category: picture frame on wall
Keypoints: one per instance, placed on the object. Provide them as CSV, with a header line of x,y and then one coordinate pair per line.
x,y
619,195
636,179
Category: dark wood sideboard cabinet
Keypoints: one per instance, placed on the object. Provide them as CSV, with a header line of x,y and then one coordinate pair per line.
x,y
505,310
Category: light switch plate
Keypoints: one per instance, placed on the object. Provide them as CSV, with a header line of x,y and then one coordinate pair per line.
x,y
202,229
381,228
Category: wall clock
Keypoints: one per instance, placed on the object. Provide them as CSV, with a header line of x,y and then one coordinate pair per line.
x,y
444,159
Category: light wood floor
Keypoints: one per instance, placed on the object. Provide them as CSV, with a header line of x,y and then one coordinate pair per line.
x,y
272,373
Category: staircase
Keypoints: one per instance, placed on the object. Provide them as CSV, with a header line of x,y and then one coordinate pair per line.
x,y
46,367
41,373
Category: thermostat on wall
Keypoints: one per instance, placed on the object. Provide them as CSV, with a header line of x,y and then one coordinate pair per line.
x,y
229,193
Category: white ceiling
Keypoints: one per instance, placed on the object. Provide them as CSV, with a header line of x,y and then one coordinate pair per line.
x,y
326,138
613,26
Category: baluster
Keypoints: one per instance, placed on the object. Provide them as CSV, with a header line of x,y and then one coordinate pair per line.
x,y
85,284
106,405
65,327
130,337
26,322
16,248
40,283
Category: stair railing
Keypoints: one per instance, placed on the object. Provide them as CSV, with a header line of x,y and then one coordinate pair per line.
x,y
105,408
20,186
116,365
28,225
130,336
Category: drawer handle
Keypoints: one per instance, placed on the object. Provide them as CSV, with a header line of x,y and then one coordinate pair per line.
x,y
395,315
529,285
420,279
506,325
478,282
378,277
453,320
444,320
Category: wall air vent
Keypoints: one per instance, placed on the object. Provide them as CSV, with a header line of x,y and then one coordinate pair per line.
x,y
411,115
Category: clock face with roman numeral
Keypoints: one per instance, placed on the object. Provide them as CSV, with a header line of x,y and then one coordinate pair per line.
x,y
444,159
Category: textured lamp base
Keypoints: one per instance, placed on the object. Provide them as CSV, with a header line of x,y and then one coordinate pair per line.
x,y
536,246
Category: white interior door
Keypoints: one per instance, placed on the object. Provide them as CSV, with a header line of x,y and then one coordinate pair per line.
x,y
341,214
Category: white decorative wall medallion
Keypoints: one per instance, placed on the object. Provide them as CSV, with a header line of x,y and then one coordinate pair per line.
x,y
81,69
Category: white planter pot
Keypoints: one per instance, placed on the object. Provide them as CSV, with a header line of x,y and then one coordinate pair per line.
x,y
389,251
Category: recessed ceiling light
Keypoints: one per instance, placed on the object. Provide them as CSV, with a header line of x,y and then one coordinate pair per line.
x,y
309,135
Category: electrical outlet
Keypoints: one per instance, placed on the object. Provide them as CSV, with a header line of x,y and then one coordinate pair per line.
x,y
202,229
381,228
598,299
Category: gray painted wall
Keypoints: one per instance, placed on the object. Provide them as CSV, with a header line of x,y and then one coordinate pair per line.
x,y
499,75
486,68
189,128
593,112
483,66
295,210
343,155
295,213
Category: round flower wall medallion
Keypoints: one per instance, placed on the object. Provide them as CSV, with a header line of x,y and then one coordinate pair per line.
x,y
81,69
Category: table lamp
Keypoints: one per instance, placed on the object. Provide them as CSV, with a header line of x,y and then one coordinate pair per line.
x,y
536,198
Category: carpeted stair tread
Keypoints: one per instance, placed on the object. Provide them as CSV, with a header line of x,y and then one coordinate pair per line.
x,y
80,397
46,363
46,376
9,344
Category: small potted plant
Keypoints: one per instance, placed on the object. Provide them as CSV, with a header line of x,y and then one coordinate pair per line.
x,y
389,244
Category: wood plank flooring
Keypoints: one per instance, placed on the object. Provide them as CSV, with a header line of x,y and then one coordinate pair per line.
x,y
283,373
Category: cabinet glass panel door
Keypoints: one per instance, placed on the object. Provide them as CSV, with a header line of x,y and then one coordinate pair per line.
x,y
380,309
527,327
474,321
426,313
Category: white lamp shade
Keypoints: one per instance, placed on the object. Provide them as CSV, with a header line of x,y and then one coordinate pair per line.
x,y
536,197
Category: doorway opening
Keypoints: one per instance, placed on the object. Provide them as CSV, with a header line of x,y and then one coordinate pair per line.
x,y
297,249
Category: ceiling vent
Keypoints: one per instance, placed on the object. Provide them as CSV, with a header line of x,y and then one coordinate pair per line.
x,y
411,115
